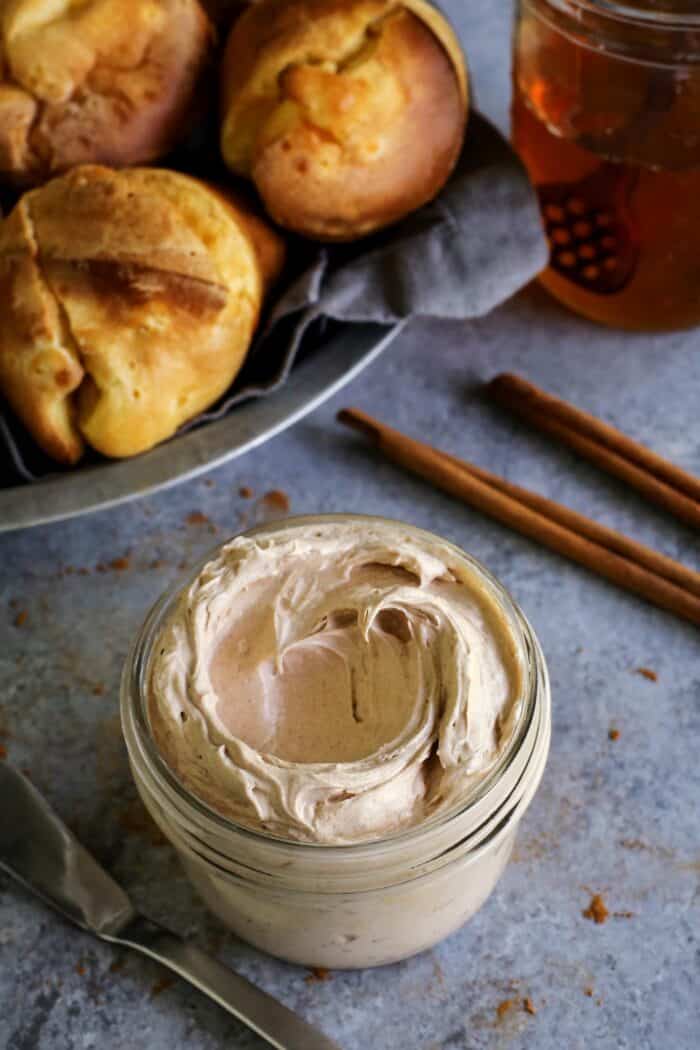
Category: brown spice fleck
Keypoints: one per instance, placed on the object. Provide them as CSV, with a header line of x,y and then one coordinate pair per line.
x,y
529,1006
613,734
117,966
119,564
209,483
246,492
623,915
21,618
98,689
318,973
504,1007
83,571
276,499
588,991
196,517
158,563
80,969
161,985
3,752
100,567
646,672
596,910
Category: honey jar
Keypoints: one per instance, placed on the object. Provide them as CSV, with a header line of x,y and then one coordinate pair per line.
x,y
606,116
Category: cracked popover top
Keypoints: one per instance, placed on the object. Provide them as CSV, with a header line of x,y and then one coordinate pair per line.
x,y
95,81
129,302
346,114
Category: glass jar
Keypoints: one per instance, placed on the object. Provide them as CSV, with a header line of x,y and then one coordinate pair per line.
x,y
353,905
606,116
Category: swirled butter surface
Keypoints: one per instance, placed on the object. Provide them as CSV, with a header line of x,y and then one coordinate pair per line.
x,y
334,682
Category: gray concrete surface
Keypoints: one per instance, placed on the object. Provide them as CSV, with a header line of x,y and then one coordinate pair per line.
x,y
617,817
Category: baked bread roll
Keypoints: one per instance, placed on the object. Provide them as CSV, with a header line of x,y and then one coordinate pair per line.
x,y
346,114
129,302
95,81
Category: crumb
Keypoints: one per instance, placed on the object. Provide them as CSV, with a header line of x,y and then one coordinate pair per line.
x,y
196,517
161,985
503,1008
318,973
276,499
117,966
3,752
596,910
98,689
633,844
613,734
588,991
80,969
646,672
157,563
599,1002
83,571
246,492
119,564
100,567
21,618
529,1006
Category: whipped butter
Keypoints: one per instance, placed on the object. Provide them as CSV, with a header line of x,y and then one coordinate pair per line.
x,y
335,682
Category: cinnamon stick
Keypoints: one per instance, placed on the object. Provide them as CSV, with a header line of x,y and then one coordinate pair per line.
x,y
659,480
606,537
459,480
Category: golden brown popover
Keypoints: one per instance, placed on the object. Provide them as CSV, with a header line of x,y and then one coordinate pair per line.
x,y
346,114
129,302
95,81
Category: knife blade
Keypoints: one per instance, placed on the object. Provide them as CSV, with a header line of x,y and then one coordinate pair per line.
x,y
39,851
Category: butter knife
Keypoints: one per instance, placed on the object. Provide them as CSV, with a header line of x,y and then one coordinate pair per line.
x,y
38,850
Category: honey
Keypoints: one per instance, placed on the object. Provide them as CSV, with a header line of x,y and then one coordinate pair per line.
x,y
606,116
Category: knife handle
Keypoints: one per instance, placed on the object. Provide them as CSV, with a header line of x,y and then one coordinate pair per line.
x,y
255,1008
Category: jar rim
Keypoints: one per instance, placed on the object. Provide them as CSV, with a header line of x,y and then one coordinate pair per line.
x,y
630,13
135,715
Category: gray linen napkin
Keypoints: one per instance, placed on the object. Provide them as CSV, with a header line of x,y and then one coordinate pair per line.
x,y
459,257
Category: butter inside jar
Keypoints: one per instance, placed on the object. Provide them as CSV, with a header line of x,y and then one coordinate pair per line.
x,y
334,683
338,722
